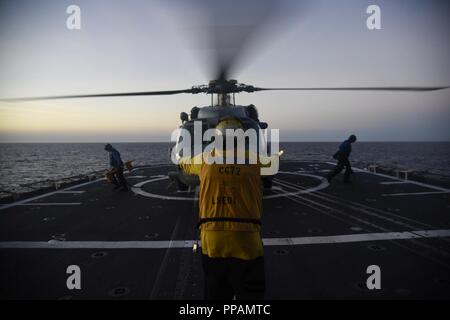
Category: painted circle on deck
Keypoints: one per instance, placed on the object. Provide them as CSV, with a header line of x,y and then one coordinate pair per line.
x,y
137,188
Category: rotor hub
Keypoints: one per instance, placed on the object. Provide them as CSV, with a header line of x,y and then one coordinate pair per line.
x,y
223,87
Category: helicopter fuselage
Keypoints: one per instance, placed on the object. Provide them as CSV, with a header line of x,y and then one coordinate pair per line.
x,y
209,117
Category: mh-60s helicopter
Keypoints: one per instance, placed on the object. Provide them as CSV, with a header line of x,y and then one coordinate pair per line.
x,y
224,108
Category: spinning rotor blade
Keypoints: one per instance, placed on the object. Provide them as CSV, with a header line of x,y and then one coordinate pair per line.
x,y
105,95
237,26
399,89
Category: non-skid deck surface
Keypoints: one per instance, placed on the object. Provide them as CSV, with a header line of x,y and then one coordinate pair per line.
x,y
319,239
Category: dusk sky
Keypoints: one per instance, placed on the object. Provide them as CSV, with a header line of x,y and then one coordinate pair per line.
x,y
161,45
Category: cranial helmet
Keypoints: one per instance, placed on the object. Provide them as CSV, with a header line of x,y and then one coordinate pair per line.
x,y
228,124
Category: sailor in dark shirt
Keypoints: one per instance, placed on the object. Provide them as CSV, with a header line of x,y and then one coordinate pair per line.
x,y
116,164
345,149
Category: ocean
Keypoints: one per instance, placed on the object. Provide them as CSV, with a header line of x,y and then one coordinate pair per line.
x,y
23,165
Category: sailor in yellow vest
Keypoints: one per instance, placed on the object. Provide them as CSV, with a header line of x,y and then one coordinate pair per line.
x,y
230,203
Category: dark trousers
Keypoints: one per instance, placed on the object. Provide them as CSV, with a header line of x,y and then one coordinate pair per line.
x,y
226,278
119,179
342,162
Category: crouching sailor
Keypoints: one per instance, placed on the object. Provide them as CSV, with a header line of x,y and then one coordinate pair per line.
x,y
116,172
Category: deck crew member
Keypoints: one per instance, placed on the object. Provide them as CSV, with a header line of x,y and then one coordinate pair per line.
x,y
345,149
230,203
116,164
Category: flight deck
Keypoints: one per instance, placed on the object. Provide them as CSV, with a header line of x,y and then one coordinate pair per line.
x,y
319,239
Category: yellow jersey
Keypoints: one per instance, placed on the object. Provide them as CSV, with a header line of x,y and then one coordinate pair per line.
x,y
230,203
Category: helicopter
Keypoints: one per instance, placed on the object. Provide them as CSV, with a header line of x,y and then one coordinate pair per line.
x,y
209,116
223,89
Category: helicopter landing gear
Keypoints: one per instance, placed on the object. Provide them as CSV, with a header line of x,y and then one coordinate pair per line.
x,y
175,179
182,187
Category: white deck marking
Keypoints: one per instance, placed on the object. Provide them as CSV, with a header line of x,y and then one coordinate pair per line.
x,y
50,204
394,182
412,194
165,260
397,179
72,192
158,176
17,203
137,188
323,184
350,238
21,202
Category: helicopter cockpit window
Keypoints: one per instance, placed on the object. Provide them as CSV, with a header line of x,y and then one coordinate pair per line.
x,y
194,113
252,112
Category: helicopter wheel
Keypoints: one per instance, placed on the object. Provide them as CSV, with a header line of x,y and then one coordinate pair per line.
x,y
182,187
173,176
